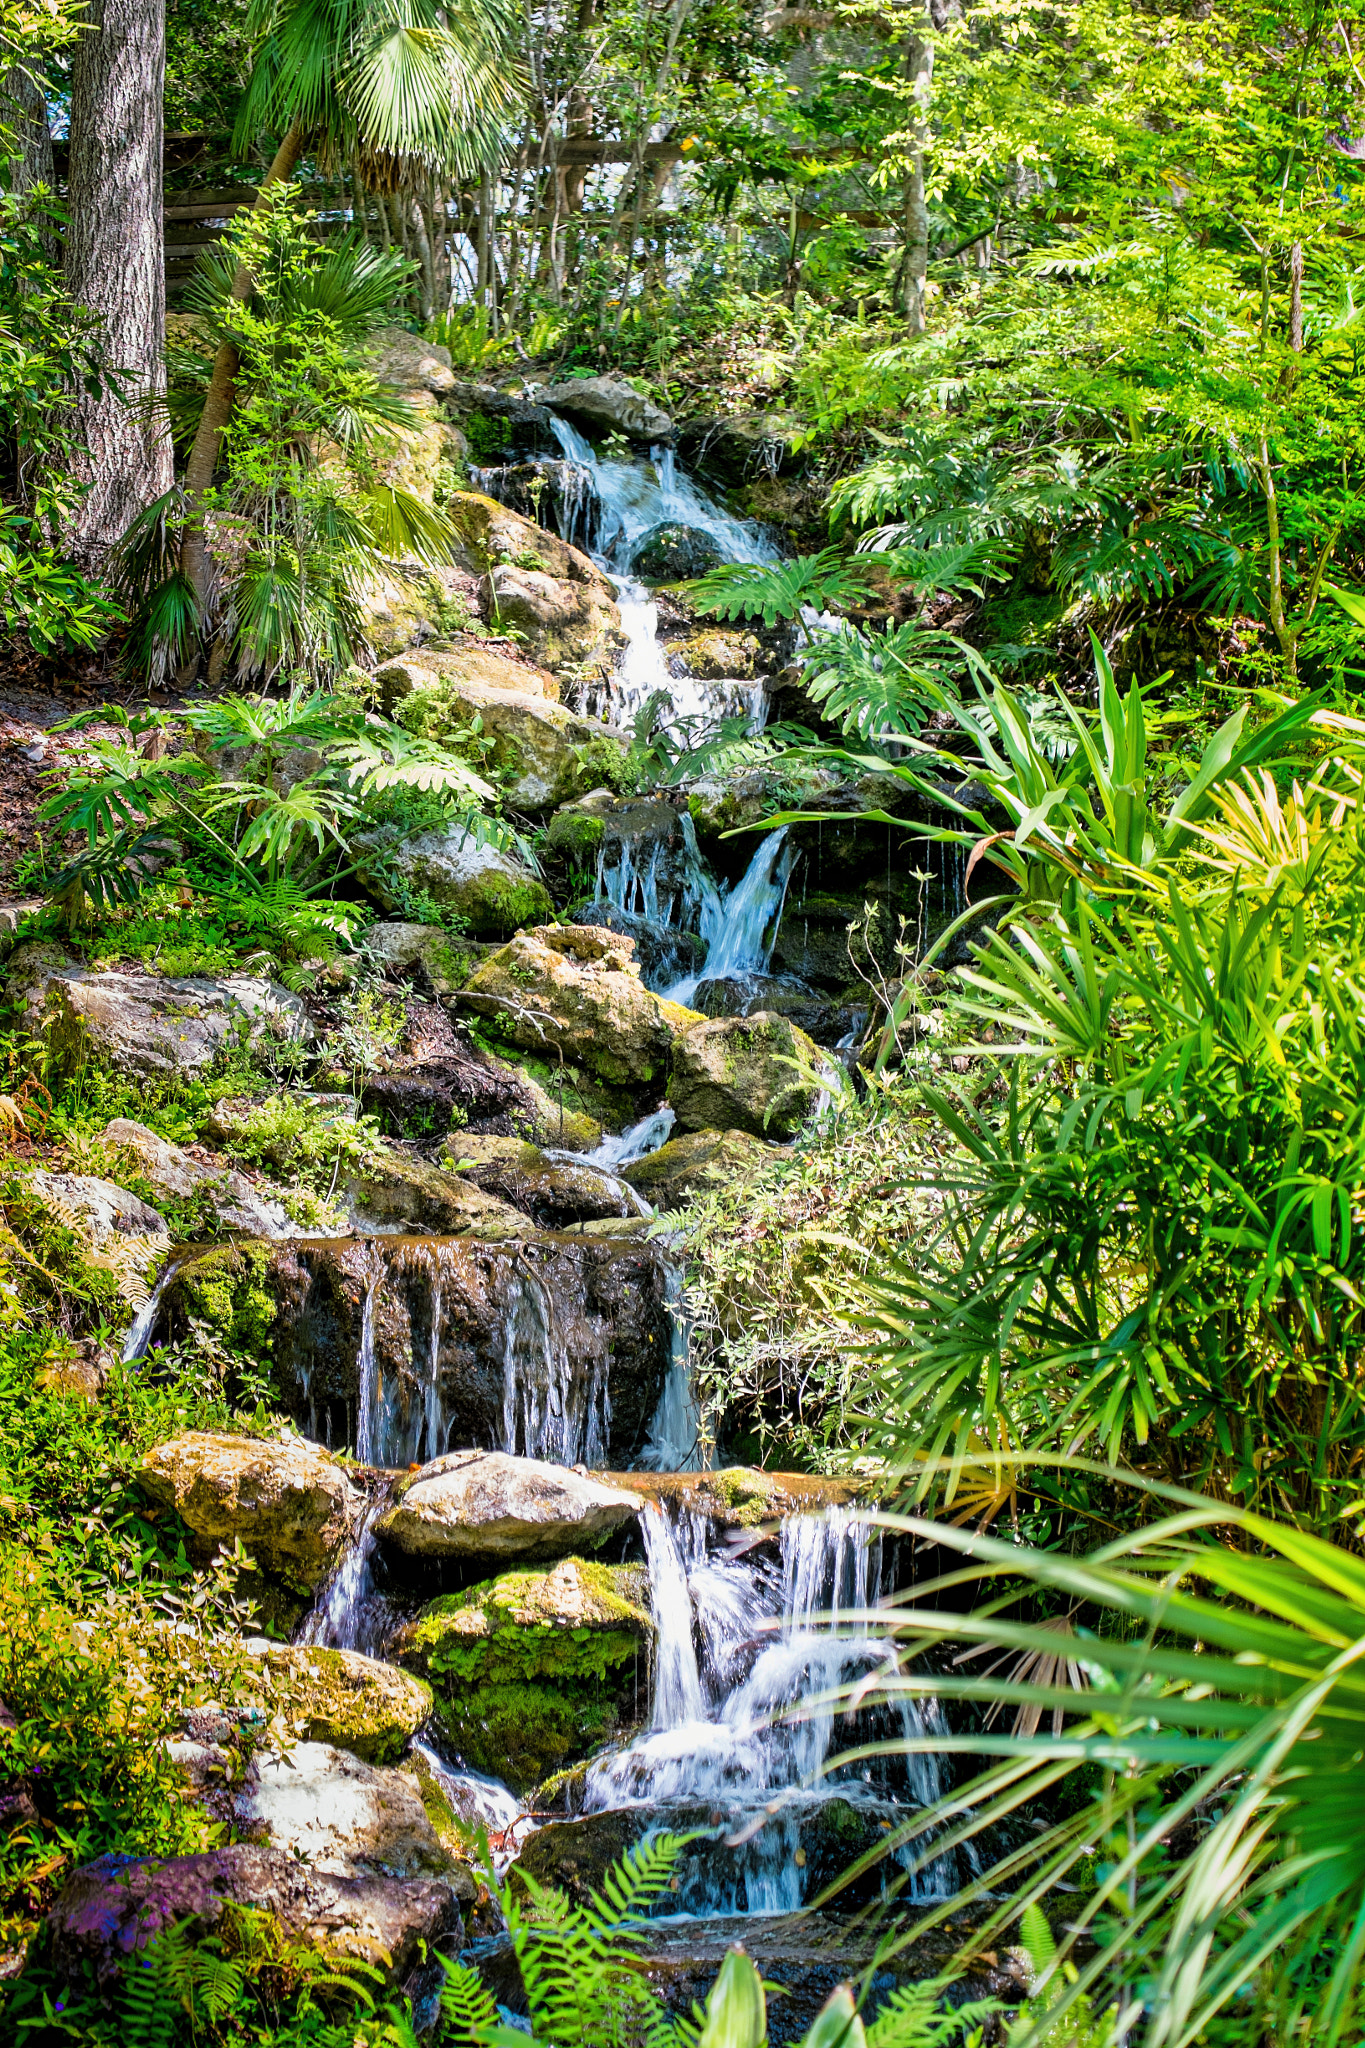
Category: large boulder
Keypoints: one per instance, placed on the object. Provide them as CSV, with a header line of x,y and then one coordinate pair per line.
x,y
610,402
353,1702
537,584
472,661
113,1224
176,1176
576,991
150,1025
288,1501
427,950
396,1187
484,1504
479,1092
541,753
494,892
698,1160
326,1807
443,1342
674,553
554,1193
534,1669
759,1074
112,1908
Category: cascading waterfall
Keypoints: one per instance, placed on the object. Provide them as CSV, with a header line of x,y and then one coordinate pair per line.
x,y
667,887
348,1613
632,497
546,1412
635,1142
139,1336
748,1660
740,929
368,1427
675,1440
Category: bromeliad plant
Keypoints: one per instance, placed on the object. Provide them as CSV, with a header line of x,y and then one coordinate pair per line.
x,y
277,839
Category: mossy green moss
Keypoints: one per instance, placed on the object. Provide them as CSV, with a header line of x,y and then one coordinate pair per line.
x,y
534,1668
226,1290
745,1492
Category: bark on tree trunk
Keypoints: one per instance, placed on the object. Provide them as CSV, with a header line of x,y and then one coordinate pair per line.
x,y
115,264
23,109
203,460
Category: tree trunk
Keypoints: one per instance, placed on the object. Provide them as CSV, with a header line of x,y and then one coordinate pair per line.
x,y
208,439
919,70
1296,298
24,111
115,264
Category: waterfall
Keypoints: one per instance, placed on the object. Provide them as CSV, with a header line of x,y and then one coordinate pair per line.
x,y
548,1412
139,1336
369,1431
482,1802
747,1657
740,929
348,1613
675,1434
637,1141
631,498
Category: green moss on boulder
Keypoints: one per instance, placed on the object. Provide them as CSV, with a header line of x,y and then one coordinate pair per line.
x,y
227,1290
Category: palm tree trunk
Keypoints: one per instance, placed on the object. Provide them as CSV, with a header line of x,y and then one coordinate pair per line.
x,y
115,265
194,560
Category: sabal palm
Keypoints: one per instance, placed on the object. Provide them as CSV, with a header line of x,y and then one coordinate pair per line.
x,y
397,82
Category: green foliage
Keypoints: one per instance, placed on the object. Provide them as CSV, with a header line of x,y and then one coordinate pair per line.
x,y
744,590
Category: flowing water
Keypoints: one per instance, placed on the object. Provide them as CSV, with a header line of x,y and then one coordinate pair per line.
x,y
349,1613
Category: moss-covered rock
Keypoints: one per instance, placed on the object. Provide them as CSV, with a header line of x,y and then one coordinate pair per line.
x,y
225,1289
494,892
288,1501
759,1074
533,1669
354,1702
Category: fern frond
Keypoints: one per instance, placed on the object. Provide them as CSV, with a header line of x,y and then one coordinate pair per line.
x,y
636,1882
782,590
467,2006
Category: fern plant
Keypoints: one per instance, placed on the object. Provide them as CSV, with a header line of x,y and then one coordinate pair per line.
x,y
781,590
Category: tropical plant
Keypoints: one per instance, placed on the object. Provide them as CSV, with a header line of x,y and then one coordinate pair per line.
x,y
260,836
781,590
1224,1713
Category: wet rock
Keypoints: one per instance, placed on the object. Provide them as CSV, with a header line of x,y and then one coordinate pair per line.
x,y
542,753
474,1090
353,1702
576,991
575,831
740,1497
718,654
569,1335
673,553
738,445
290,1503
690,1164
396,1187
174,1175
494,892
551,490
535,1668
150,1025
610,402
665,953
112,1908
554,1193
758,1074
338,1814
486,1504
564,623
105,1217
424,950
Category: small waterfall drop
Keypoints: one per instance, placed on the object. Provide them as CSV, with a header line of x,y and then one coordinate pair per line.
x,y
368,1426
676,1442
548,1411
637,1141
140,1334
348,1613
740,929
632,497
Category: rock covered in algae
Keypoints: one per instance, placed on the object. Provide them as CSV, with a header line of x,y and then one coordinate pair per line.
x,y
576,990
289,1502
552,1192
759,1074
487,1504
493,891
150,1025
698,1159
534,1669
354,1702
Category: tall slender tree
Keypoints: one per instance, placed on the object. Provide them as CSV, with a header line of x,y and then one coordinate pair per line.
x,y
115,265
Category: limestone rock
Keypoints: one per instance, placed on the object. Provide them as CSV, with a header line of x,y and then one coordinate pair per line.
x,y
353,1702
404,948
112,1908
289,1501
493,891
553,1192
474,1088
409,363
610,402
699,1160
534,1669
565,623
474,661
325,1806
174,1174
396,1187
12,917
576,990
541,753
745,1074
741,1497
674,553
105,1216
576,829
720,653
150,1025
486,1504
